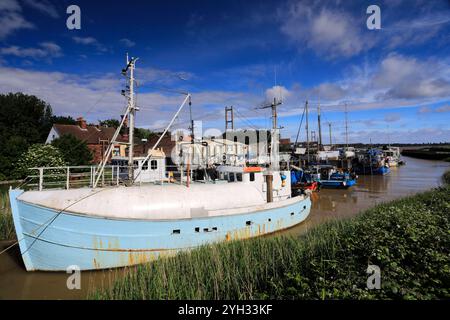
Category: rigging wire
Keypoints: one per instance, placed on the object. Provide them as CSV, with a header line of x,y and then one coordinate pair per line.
x,y
300,126
49,222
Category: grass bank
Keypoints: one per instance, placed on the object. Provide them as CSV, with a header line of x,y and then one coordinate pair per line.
x,y
409,239
7,231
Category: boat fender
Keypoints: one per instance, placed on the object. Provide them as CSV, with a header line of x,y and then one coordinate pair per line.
x,y
283,179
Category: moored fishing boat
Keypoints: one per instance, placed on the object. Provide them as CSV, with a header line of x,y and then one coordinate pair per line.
x,y
329,177
371,162
118,221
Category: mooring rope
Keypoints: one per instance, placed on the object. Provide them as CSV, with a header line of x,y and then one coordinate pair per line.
x,y
49,221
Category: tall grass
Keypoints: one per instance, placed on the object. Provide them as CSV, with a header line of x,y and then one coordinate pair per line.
x,y
408,239
7,231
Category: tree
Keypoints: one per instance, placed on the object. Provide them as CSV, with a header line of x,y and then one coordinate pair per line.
x,y
63,120
74,151
24,120
38,155
141,133
113,123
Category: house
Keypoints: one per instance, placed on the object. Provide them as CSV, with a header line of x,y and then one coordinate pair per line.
x,y
97,138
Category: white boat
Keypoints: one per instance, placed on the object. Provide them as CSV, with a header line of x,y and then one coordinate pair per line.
x,y
109,224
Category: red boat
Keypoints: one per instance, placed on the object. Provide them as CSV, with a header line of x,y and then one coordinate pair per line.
x,y
313,186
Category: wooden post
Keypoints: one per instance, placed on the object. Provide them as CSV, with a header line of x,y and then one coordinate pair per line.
x,y
188,169
67,178
41,178
269,190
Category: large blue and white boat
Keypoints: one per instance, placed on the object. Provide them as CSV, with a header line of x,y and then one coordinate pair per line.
x,y
114,223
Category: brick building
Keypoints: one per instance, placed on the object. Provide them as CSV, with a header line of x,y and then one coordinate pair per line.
x,y
97,138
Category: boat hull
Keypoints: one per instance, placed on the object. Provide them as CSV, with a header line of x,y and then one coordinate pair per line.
x,y
373,171
337,184
51,240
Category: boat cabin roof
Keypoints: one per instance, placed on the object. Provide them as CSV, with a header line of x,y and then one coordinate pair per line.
x,y
239,169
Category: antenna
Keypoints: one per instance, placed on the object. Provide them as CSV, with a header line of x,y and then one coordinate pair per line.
x,y
274,106
320,129
274,136
307,131
329,129
129,114
346,126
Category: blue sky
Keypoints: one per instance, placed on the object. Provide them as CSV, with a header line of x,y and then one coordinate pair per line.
x,y
395,81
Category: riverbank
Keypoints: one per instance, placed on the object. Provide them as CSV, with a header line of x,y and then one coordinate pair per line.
x,y
429,153
407,238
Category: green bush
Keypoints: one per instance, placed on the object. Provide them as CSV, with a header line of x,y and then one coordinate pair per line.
x,y
38,155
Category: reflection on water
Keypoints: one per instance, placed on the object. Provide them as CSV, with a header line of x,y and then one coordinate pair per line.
x,y
416,176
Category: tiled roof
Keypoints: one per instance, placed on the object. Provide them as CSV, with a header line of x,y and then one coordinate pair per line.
x,y
92,134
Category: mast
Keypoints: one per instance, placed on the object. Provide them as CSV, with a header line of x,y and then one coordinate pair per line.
x,y
307,132
132,114
346,126
320,128
129,114
229,120
274,133
329,130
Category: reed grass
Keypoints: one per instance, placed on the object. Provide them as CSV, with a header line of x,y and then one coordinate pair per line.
x,y
7,231
408,239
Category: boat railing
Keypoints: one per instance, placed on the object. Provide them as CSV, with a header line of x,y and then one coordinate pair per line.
x,y
70,177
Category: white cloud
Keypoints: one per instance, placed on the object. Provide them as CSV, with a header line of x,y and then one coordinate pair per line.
x,y
127,42
328,31
43,6
444,108
407,78
45,50
99,98
90,41
11,18
277,92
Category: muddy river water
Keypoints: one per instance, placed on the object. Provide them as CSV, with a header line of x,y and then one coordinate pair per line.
x,y
418,175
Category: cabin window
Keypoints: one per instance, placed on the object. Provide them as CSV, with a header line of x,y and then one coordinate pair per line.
x,y
252,176
247,140
145,165
239,176
154,164
197,229
176,231
231,177
292,213
225,176
248,223
214,228
270,220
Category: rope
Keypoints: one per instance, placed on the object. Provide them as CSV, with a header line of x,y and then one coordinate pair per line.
x,y
299,127
49,221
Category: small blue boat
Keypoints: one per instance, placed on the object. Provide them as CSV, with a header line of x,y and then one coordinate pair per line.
x,y
338,180
328,177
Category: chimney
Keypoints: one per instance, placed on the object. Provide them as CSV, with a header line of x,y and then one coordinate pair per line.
x,y
81,123
125,123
